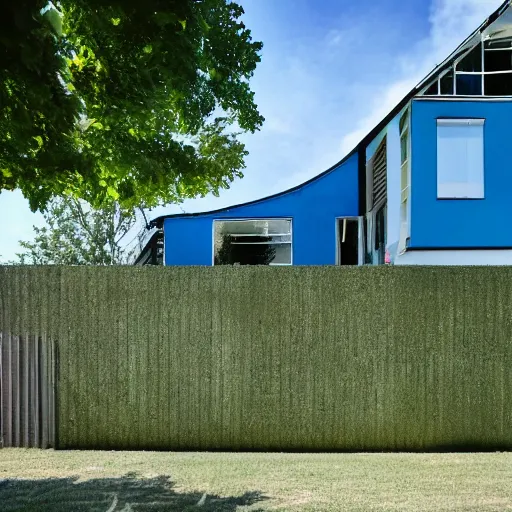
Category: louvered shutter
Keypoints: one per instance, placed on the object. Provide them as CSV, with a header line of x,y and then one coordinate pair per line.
x,y
379,192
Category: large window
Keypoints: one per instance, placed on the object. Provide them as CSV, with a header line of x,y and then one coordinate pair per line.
x,y
460,158
253,242
484,70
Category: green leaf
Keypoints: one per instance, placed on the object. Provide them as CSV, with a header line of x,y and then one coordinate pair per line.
x,y
54,19
62,87
102,183
204,25
7,173
39,140
112,192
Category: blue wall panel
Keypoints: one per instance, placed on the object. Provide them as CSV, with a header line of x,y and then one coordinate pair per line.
x,y
464,222
313,209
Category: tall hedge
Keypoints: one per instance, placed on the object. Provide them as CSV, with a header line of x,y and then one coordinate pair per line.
x,y
262,358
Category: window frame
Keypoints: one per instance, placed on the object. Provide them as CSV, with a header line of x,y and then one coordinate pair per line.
x,y
254,219
360,237
483,73
460,122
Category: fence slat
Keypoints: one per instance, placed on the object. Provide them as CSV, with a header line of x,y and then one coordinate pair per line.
x,y
27,404
26,387
2,391
44,393
51,397
10,393
18,394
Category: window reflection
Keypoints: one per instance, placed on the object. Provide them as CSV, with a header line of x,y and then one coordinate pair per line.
x,y
253,242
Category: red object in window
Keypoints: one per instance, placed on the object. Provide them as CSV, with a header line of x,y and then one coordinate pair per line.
x,y
387,258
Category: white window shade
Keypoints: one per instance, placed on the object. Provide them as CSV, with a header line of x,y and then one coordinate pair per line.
x,y
460,158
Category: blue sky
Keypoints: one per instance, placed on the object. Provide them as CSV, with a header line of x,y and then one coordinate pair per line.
x,y
331,70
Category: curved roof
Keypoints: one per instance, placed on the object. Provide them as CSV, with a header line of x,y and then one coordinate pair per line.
x,y
361,146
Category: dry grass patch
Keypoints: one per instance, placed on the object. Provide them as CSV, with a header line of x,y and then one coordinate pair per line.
x,y
124,481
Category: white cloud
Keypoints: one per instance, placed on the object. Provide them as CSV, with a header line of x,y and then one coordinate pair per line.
x,y
451,21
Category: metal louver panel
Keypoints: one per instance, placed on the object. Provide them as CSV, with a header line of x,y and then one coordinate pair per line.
x,y
379,194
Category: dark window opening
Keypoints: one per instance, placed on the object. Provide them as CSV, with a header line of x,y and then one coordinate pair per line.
x,y
348,241
366,242
498,85
380,235
498,60
446,83
432,90
472,61
469,85
486,70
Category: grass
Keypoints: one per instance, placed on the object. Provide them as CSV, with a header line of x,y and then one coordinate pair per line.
x,y
35,480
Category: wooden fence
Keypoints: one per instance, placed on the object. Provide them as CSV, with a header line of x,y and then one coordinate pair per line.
x,y
27,391
258,358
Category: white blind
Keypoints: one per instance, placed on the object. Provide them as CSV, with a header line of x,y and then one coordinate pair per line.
x,y
460,158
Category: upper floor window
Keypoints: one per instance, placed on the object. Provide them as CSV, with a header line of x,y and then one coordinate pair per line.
x,y
484,70
252,242
460,158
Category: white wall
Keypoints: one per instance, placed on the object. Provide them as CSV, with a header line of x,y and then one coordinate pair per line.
x,y
446,257
393,185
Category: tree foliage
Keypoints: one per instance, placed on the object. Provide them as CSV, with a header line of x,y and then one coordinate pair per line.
x,y
137,101
242,250
78,235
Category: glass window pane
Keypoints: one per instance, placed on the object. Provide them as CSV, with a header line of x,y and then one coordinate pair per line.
x,y
500,43
498,85
460,160
403,146
472,61
469,85
403,120
252,242
432,90
282,254
498,60
447,84
278,226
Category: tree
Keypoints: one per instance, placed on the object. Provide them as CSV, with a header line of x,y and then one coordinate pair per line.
x,y
78,235
137,101
245,251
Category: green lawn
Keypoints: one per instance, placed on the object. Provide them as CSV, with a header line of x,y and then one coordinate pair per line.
x,y
36,480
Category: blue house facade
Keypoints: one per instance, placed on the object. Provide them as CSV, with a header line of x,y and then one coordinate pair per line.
x,y
300,223
426,186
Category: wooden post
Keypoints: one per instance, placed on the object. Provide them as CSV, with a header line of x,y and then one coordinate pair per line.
x,y
26,386
35,399
18,395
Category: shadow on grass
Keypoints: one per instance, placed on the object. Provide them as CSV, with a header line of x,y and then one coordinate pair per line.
x,y
124,494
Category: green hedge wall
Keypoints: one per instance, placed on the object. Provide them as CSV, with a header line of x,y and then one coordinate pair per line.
x,y
261,358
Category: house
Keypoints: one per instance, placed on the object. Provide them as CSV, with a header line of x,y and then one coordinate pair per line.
x,y
428,185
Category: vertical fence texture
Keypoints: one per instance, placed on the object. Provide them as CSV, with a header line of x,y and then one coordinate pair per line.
x,y
254,358
27,402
